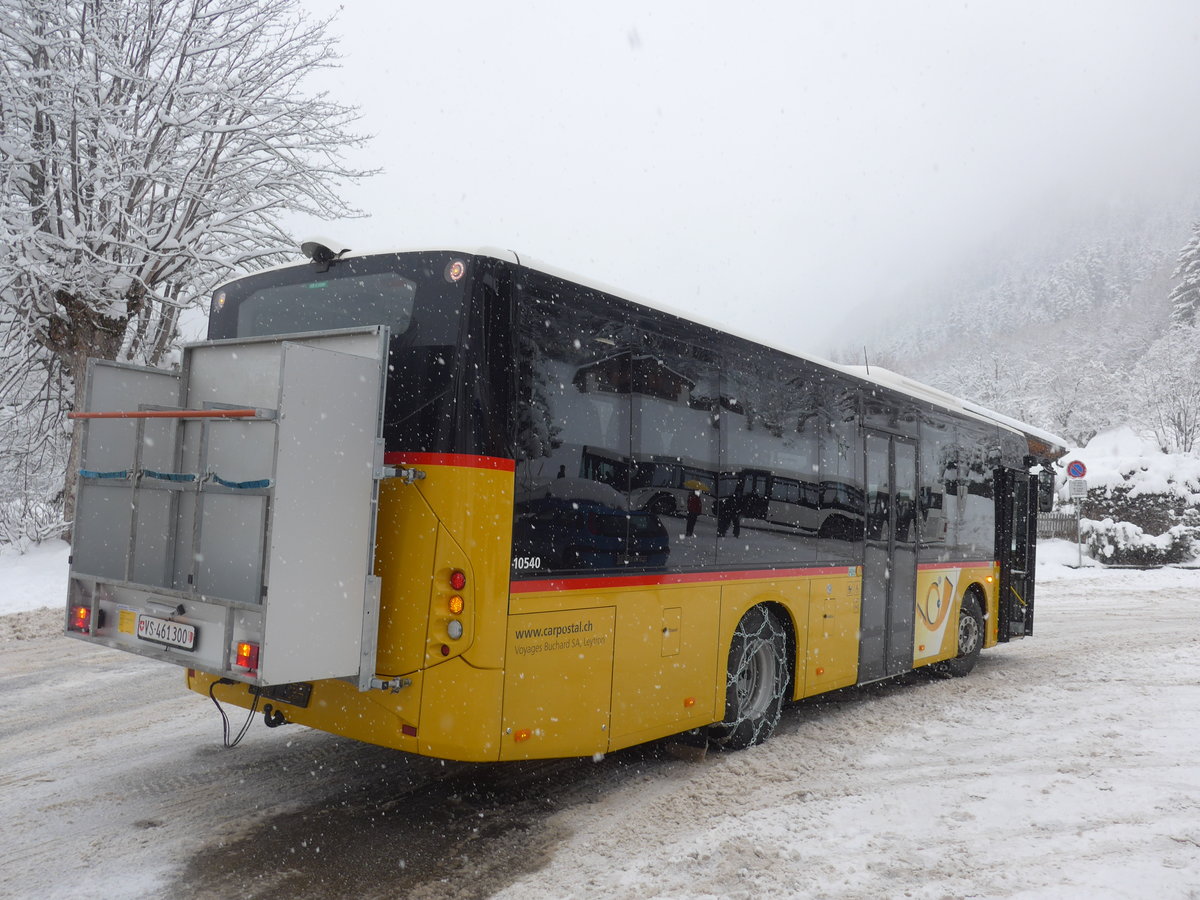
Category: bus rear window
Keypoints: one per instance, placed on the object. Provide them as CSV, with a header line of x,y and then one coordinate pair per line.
x,y
411,293
384,298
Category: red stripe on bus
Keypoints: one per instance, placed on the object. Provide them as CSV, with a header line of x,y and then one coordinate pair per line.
x,y
629,581
981,564
462,460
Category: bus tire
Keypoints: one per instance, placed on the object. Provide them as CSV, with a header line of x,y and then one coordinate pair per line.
x,y
756,681
970,639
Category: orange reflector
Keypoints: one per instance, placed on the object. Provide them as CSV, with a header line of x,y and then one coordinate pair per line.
x,y
458,579
247,655
689,702
820,671
523,734
921,648
457,604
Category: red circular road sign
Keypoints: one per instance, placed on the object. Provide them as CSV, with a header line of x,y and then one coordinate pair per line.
x,y
1076,469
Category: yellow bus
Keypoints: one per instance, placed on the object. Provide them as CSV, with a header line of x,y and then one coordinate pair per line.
x,y
467,506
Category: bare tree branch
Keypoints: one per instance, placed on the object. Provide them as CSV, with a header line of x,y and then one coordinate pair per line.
x,y
147,148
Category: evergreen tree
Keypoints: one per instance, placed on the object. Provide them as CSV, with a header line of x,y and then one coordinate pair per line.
x,y
1185,298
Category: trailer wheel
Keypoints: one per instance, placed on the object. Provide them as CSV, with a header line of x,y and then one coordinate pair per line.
x,y
970,639
756,681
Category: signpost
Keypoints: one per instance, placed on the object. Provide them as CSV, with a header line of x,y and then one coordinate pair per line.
x,y
1078,488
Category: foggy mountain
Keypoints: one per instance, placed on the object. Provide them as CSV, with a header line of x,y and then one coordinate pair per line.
x,y
1053,326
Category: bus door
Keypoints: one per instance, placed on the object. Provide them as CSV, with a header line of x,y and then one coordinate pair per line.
x,y
890,558
1016,524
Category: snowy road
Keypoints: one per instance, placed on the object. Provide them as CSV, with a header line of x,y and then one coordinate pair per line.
x,y
1065,766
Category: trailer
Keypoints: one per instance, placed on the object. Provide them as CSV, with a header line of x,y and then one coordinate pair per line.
x,y
226,510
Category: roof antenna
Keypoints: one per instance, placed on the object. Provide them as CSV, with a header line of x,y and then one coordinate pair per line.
x,y
866,362
320,251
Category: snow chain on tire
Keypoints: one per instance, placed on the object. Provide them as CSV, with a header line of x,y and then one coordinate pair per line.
x,y
756,681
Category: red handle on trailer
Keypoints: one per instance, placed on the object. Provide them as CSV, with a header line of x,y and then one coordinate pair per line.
x,y
170,414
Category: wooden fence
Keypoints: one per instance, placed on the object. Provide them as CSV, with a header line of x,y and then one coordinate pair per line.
x,y
1057,525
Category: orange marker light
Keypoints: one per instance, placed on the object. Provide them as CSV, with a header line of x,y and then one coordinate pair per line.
x,y
457,604
522,735
820,670
689,702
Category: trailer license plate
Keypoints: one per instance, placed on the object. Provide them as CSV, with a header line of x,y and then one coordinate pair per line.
x,y
162,631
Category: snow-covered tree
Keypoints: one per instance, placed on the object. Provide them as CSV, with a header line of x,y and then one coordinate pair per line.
x,y
148,148
1167,382
1185,298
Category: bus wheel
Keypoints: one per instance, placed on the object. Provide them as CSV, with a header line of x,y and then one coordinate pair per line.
x,y
970,640
756,682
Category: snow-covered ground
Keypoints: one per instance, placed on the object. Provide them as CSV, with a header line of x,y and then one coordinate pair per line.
x,y
1064,766
35,578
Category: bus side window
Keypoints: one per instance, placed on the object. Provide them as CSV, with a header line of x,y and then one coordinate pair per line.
x,y
938,463
674,440
769,445
977,508
842,498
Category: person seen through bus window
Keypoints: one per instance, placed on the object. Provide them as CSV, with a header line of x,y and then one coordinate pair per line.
x,y
693,511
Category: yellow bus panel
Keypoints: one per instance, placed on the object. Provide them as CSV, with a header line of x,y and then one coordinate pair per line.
x,y
666,656
558,684
835,612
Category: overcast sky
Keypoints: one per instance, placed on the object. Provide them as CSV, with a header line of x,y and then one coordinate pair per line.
x,y
771,166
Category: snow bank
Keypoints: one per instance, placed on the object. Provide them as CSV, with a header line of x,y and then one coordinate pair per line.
x,y
35,578
1120,458
1123,543
1055,556
1143,505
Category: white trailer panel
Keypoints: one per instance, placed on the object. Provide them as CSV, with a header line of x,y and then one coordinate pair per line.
x,y
194,532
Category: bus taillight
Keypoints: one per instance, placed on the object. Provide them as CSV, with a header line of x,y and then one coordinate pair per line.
x,y
247,655
81,619
458,579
